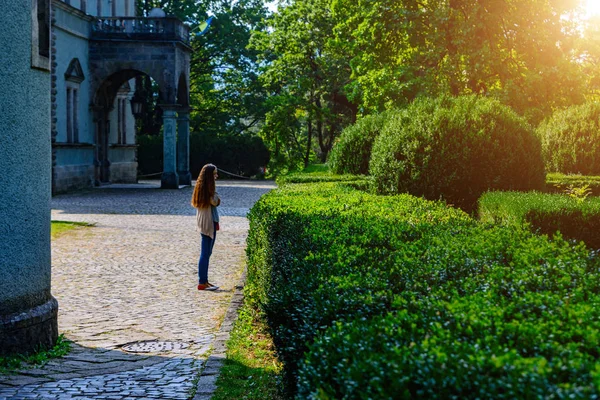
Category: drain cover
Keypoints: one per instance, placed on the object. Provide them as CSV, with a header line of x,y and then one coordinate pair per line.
x,y
153,346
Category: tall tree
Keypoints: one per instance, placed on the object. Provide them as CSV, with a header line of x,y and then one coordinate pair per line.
x,y
225,89
301,68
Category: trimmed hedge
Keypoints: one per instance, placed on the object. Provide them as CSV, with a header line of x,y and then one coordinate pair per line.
x,y
556,182
456,148
546,214
399,297
352,150
571,140
241,155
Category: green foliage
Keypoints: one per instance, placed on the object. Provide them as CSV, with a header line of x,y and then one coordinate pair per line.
x,y
398,297
10,364
456,149
352,150
150,154
571,140
241,155
579,193
573,217
518,51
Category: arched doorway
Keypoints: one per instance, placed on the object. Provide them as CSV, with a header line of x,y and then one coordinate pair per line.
x,y
175,121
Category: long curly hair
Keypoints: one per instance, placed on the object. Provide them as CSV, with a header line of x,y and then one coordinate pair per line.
x,y
205,187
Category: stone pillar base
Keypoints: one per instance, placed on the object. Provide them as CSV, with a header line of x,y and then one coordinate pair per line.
x,y
185,178
169,180
29,330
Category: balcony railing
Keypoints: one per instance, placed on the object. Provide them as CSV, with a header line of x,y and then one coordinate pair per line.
x,y
139,28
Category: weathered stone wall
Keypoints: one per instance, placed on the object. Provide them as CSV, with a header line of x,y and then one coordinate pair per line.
x,y
124,172
27,309
72,177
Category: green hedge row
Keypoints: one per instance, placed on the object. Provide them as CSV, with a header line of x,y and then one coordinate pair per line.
x,y
399,297
560,183
546,213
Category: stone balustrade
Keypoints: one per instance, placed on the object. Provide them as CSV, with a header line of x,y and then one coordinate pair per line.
x,y
140,28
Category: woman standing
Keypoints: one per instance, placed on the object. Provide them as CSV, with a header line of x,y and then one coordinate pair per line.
x,y
205,199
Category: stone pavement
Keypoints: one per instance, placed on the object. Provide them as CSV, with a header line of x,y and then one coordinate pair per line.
x,y
127,295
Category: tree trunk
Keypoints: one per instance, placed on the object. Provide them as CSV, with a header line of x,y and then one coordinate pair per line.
x,y
308,141
319,122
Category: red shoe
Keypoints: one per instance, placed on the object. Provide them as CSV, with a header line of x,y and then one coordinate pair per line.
x,y
207,286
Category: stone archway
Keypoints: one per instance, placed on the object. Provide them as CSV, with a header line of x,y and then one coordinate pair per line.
x,y
167,61
102,105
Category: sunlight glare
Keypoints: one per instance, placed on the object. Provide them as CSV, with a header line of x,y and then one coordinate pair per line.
x,y
592,7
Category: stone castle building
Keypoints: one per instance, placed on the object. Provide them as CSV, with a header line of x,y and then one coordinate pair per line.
x,y
97,49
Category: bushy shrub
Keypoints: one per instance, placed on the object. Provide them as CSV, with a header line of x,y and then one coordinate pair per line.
x,y
571,140
574,218
398,297
456,149
240,155
352,150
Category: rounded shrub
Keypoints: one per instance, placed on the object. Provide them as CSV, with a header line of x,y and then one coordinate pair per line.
x,y
352,150
456,148
571,140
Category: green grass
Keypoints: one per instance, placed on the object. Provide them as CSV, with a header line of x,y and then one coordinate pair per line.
x,y
318,173
316,168
251,370
10,364
60,227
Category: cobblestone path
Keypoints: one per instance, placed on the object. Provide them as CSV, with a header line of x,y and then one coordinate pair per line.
x,y
129,283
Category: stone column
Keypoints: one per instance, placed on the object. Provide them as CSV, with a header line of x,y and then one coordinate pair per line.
x,y
169,179
183,147
28,312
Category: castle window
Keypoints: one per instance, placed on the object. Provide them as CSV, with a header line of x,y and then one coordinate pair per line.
x,y
72,117
40,34
122,139
73,77
122,101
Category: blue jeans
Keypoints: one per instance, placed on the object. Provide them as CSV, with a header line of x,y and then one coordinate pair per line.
x,y
205,252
